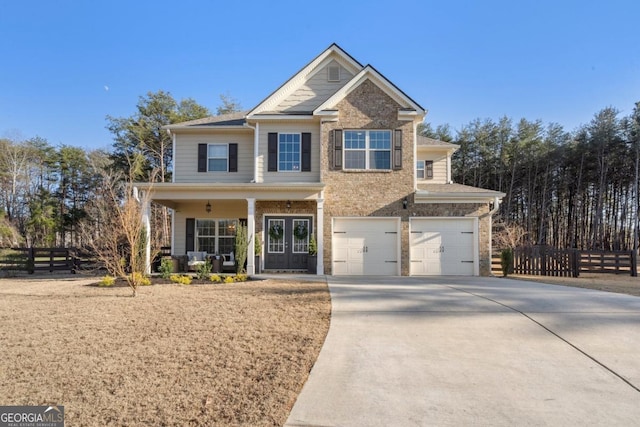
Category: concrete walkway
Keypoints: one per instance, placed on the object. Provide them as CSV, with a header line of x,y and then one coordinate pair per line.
x,y
474,351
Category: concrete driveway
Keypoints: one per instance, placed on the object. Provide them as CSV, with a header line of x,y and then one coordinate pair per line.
x,y
474,351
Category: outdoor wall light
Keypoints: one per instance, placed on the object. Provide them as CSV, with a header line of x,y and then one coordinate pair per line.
x,y
207,207
288,204
405,203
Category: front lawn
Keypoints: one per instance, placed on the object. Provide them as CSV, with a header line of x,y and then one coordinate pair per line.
x,y
215,354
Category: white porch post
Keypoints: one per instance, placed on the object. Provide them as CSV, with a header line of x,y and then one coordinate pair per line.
x,y
251,230
320,236
146,222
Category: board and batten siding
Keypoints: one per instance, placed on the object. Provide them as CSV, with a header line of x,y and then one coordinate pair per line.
x,y
289,176
439,167
186,157
315,91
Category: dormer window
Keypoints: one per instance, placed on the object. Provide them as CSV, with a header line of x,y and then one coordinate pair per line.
x,y
333,73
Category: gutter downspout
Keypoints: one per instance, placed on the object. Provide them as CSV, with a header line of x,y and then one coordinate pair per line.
x,y
256,138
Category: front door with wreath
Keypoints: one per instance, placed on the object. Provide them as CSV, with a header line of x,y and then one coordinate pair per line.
x,y
287,242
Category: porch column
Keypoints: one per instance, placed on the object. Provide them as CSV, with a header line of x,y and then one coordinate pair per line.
x,y
251,231
320,236
146,223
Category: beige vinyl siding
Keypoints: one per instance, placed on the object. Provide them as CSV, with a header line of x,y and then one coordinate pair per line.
x,y
439,167
186,157
289,127
228,210
315,91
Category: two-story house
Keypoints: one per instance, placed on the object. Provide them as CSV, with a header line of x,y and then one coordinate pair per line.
x,y
333,152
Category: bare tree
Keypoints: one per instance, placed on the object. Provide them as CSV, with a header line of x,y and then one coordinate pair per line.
x,y
118,235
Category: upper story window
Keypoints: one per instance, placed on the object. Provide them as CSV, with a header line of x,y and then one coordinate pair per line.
x,y
424,169
217,157
367,149
289,152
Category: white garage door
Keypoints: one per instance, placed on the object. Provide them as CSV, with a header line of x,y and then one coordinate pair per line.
x,y
443,246
366,246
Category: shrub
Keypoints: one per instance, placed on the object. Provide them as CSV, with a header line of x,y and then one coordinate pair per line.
x,y
203,270
139,279
240,278
506,261
229,279
215,278
313,245
107,281
166,268
183,280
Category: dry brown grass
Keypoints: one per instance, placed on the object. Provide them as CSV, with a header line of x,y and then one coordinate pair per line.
x,y
618,283
235,354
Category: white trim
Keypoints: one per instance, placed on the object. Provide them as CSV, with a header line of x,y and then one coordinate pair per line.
x,y
479,197
369,73
295,81
173,159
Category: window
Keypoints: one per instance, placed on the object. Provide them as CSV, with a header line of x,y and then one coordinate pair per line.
x,y
367,149
289,152
215,236
424,169
217,157
300,229
275,236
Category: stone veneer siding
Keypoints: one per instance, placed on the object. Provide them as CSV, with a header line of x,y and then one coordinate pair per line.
x,y
381,193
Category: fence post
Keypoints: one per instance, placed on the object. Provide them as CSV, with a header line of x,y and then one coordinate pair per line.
x,y
31,261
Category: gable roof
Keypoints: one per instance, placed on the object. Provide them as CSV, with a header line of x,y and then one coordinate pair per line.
x,y
370,73
332,52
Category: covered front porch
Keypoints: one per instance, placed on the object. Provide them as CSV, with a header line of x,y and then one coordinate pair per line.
x,y
205,216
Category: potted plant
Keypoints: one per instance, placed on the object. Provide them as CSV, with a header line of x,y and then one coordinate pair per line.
x,y
312,257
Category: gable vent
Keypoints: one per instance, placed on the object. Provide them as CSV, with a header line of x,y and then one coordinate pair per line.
x,y
333,73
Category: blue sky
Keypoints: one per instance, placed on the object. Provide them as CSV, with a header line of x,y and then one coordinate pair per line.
x,y
66,65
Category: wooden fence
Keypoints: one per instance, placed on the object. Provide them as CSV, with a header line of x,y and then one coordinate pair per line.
x,y
34,260
547,261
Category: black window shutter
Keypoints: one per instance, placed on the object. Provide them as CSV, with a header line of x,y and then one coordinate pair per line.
x,y
397,149
233,157
272,159
191,231
337,149
202,157
306,152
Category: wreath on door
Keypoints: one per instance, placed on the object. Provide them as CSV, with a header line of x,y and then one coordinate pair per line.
x,y
300,231
276,232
